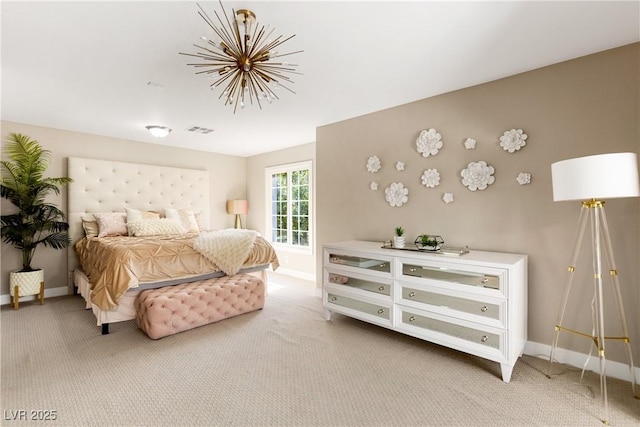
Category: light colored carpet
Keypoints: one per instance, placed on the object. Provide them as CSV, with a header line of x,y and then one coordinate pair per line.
x,y
283,365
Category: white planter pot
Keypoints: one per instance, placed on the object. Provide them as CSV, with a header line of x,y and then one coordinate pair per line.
x,y
398,241
28,282
22,283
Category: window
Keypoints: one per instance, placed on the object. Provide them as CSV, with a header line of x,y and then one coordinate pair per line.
x,y
289,205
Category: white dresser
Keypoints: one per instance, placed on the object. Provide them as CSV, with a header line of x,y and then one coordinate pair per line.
x,y
476,302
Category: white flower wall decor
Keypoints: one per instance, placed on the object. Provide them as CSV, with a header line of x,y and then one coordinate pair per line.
x,y
470,143
429,142
447,198
373,186
373,164
400,166
524,178
477,175
513,140
431,178
396,194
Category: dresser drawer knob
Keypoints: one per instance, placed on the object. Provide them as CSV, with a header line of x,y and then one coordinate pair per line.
x,y
334,299
484,280
484,338
413,269
382,265
412,318
381,288
412,294
484,308
380,310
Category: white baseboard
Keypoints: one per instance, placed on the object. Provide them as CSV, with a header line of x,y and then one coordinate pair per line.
x,y
48,293
614,369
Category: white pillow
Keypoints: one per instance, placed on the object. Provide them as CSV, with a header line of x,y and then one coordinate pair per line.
x,y
184,217
111,224
155,227
138,215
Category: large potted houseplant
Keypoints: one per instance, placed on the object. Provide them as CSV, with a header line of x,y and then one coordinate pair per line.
x,y
34,221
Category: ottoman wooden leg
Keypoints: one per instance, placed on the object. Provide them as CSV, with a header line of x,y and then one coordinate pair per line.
x,y
41,293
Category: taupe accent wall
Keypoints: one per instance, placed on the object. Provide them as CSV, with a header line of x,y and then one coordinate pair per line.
x,y
585,106
227,176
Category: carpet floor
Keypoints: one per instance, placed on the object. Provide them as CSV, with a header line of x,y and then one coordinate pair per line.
x,y
283,366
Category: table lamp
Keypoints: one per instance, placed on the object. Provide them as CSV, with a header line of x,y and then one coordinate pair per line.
x,y
237,208
592,179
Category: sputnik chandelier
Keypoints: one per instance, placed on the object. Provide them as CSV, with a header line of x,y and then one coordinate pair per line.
x,y
243,59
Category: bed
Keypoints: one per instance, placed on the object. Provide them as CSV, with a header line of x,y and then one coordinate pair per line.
x,y
110,268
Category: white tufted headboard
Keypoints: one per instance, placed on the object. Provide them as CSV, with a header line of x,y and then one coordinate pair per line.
x,y
106,186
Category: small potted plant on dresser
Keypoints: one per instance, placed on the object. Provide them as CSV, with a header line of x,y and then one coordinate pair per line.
x,y
33,222
398,239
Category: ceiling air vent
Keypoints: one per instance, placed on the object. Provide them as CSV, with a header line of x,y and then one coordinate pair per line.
x,y
199,129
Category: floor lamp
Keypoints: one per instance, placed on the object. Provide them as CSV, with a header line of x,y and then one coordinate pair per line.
x,y
237,208
592,179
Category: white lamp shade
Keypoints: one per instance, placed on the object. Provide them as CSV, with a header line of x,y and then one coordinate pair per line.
x,y
603,176
237,207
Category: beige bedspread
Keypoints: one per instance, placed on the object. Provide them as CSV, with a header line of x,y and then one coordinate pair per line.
x,y
116,264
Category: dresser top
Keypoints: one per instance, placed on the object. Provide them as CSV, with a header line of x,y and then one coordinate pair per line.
x,y
474,256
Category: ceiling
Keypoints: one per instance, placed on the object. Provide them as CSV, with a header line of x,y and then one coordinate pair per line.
x,y
87,66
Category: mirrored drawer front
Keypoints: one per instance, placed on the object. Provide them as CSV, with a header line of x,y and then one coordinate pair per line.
x,y
455,276
491,311
364,307
468,334
359,262
365,285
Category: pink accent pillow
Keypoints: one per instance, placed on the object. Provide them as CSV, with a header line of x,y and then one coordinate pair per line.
x,y
111,224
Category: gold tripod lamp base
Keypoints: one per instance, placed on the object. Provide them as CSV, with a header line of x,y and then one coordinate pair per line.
x,y
594,210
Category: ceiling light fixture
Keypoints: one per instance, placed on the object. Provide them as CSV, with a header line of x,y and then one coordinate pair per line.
x,y
243,58
158,131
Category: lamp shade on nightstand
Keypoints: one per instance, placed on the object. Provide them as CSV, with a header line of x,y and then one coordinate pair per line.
x,y
603,176
237,207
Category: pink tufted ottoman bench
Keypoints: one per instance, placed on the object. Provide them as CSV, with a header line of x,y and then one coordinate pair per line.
x,y
172,309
